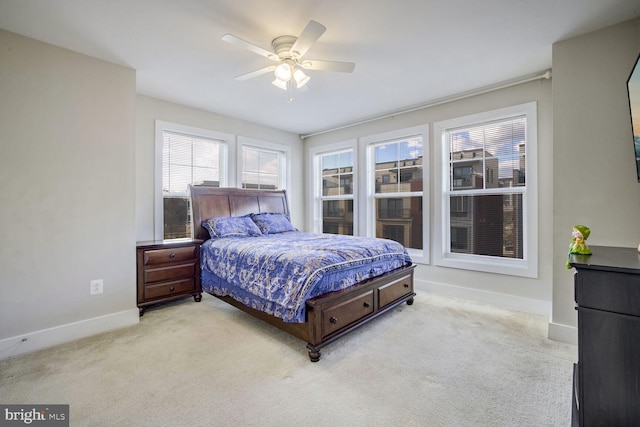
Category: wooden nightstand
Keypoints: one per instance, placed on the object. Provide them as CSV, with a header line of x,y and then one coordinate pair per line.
x,y
167,270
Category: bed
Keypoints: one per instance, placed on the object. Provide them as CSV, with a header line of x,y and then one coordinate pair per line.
x,y
321,319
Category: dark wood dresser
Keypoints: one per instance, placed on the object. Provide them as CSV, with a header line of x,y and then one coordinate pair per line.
x,y
167,270
607,375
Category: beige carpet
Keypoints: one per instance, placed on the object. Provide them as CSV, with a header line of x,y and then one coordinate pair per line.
x,y
439,362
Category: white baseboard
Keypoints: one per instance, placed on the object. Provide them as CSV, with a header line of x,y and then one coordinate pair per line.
x,y
512,302
563,333
50,337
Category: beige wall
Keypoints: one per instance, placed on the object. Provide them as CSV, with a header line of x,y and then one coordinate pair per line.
x,y
150,109
595,181
520,293
67,191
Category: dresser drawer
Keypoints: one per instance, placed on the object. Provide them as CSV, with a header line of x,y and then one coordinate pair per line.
x,y
168,289
602,290
163,256
172,272
347,312
392,291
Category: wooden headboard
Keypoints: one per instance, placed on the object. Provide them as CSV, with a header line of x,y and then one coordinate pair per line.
x,y
209,202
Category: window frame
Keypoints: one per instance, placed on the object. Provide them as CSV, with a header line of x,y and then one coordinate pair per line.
x,y
528,265
226,143
369,197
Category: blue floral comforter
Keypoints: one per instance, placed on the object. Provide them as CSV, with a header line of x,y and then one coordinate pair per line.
x,y
277,273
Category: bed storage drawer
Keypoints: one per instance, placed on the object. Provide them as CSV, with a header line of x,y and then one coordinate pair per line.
x,y
395,290
346,312
162,256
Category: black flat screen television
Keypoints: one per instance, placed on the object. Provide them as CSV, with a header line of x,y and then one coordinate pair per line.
x,y
633,87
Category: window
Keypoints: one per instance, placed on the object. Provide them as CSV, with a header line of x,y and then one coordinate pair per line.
x,y
188,156
398,176
488,212
336,170
383,199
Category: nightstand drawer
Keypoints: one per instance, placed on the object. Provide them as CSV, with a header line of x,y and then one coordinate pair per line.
x,y
168,289
152,275
163,256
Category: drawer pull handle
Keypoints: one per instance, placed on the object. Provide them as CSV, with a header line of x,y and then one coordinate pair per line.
x,y
333,320
172,255
172,289
366,305
406,285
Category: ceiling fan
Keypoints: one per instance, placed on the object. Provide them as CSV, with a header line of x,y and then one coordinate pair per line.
x,y
288,52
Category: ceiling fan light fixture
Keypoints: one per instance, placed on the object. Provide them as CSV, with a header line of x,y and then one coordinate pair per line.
x,y
301,78
283,72
282,84
288,51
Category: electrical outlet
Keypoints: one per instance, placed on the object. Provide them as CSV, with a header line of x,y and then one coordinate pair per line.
x,y
95,286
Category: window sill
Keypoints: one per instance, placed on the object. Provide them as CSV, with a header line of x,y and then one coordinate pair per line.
x,y
487,264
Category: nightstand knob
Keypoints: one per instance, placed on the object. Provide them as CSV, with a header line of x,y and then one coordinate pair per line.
x,y
333,320
366,305
172,255
172,289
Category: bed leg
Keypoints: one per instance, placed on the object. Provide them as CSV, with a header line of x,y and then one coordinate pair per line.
x,y
314,353
410,301
197,297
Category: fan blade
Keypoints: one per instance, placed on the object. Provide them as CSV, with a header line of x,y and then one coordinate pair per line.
x,y
341,67
256,73
229,38
310,34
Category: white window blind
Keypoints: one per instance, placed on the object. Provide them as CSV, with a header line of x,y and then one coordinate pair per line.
x,y
487,180
261,168
186,159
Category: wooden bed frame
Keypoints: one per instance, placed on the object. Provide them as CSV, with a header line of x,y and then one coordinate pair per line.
x,y
329,316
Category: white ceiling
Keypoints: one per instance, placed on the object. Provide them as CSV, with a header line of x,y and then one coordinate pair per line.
x,y
407,52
